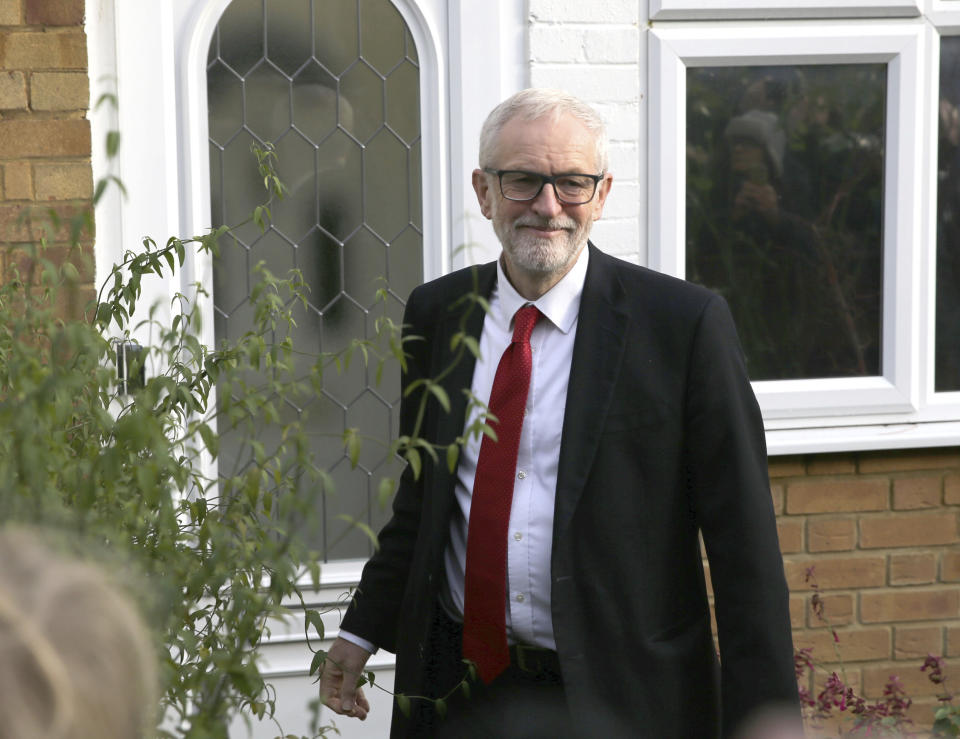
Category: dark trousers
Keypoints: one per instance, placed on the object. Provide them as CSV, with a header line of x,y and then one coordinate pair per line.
x,y
526,701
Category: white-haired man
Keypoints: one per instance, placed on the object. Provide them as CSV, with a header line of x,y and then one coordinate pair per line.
x,y
563,559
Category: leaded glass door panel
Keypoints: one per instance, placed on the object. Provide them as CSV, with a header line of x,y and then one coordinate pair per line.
x,y
334,86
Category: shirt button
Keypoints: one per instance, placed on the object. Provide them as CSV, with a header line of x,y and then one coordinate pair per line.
x,y
519,597
521,474
518,536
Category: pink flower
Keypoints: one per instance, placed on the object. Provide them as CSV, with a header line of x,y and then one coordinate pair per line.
x,y
936,669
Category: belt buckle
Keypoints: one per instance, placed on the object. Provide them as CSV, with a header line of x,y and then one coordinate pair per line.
x,y
522,658
523,653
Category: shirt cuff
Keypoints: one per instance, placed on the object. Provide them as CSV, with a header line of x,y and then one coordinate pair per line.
x,y
359,641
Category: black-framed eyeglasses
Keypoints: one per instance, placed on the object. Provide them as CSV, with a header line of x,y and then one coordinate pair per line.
x,y
570,189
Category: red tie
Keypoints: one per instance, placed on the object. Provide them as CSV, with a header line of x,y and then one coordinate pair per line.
x,y
484,607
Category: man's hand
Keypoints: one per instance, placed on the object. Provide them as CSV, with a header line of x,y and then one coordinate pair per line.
x,y
338,679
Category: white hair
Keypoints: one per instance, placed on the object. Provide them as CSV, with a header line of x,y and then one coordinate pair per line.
x,y
535,103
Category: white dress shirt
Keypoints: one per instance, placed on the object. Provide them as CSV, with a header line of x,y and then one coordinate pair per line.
x,y
530,532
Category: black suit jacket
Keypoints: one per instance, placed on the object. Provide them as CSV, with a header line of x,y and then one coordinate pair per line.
x,y
662,439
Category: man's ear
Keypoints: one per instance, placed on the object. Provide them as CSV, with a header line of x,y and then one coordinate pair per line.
x,y
603,189
481,186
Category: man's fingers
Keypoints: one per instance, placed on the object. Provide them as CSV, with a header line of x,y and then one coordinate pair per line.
x,y
338,680
348,688
360,705
330,679
362,700
357,707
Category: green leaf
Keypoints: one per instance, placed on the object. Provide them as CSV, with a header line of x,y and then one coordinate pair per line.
x,y
441,705
385,490
453,453
441,395
99,190
314,619
70,271
316,663
413,458
403,703
210,439
352,441
487,430
113,143
106,98
364,527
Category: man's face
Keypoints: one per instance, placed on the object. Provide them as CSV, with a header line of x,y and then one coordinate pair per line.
x,y
541,235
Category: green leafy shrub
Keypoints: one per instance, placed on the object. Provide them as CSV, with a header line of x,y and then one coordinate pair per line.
x,y
219,556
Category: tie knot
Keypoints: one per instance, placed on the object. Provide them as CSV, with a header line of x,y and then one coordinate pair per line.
x,y
523,322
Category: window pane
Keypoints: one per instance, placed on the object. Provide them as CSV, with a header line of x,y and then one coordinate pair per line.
x,y
784,211
947,366
335,86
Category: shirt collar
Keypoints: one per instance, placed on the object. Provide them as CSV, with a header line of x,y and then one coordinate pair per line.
x,y
560,304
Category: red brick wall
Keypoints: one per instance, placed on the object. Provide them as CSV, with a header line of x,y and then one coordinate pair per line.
x,y
44,133
880,530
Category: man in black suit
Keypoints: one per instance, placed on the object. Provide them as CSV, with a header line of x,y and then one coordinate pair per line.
x,y
638,434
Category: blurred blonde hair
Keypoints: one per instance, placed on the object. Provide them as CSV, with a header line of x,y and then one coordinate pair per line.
x,y
76,661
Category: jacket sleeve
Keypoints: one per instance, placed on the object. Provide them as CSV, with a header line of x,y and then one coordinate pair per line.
x,y
726,465
373,613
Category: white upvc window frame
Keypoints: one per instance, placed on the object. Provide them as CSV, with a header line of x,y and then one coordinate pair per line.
x,y
898,408
662,10
944,15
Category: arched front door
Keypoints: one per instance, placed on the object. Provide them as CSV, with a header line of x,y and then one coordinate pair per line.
x,y
335,87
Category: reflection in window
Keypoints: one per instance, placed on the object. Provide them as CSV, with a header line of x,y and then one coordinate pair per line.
x,y
947,363
784,209
335,86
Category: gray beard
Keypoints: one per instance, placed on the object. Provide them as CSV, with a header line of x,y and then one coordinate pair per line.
x,y
540,255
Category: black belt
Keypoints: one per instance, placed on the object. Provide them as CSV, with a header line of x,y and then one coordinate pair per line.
x,y
536,664
527,663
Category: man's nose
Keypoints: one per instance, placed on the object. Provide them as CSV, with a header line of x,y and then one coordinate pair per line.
x,y
546,203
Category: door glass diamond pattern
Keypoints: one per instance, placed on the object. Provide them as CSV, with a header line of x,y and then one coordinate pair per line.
x,y
335,87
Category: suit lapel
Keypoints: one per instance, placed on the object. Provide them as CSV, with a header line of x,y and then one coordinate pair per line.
x,y
597,355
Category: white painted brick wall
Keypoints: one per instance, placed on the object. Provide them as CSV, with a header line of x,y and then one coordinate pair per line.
x,y
625,204
625,162
594,82
622,119
581,43
586,11
617,237
592,49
